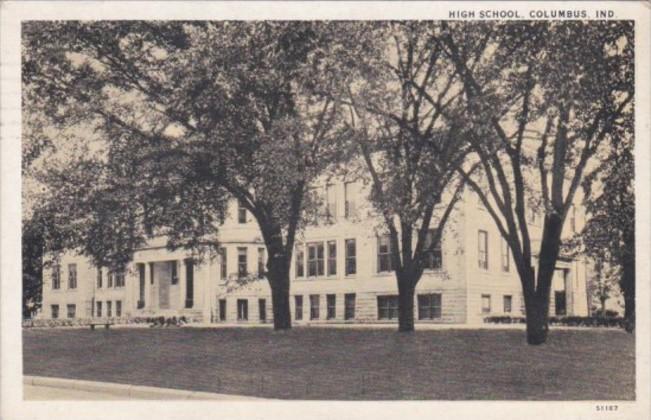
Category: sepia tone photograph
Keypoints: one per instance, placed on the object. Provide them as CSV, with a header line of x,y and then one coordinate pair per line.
x,y
340,210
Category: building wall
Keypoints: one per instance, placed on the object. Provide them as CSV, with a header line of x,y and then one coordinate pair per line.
x,y
460,281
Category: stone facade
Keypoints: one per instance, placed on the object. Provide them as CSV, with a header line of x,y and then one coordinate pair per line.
x,y
472,282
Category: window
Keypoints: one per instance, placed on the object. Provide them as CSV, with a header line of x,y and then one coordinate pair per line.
x,y
349,306
242,310
56,276
300,261
350,192
119,278
573,219
223,266
387,307
429,306
118,308
508,303
72,309
505,256
315,263
222,309
174,269
485,304
55,311
560,304
331,203
351,257
331,309
99,277
241,212
241,262
99,309
298,307
433,254
262,310
109,308
314,306
384,260
189,283
72,276
332,258
141,286
483,249
262,261
109,279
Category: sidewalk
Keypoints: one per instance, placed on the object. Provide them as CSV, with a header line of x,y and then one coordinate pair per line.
x,y
39,388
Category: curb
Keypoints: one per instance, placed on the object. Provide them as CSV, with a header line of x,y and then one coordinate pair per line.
x,y
130,391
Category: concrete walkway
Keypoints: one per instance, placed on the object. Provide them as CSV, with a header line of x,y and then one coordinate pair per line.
x,y
45,388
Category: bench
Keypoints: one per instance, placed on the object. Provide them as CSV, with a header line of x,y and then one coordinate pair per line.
x,y
106,324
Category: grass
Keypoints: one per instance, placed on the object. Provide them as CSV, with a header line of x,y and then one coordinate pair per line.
x,y
346,364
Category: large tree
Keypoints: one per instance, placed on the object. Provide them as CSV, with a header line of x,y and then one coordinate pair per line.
x,y
541,99
609,234
191,114
410,143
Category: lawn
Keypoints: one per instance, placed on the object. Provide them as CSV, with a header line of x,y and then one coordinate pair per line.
x,y
347,364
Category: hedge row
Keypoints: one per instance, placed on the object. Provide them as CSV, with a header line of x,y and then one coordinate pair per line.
x,y
80,322
572,321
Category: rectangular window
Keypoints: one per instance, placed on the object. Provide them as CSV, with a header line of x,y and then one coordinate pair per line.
x,y
387,307
508,303
433,254
332,258
242,262
262,261
262,310
72,276
429,306
331,203
350,195
174,269
72,309
349,306
223,265
119,278
314,306
573,219
118,308
56,277
560,304
483,249
315,259
506,260
351,257
109,307
222,309
55,311
141,286
300,261
242,310
189,283
99,309
99,277
331,302
298,307
241,212
384,260
486,304
109,279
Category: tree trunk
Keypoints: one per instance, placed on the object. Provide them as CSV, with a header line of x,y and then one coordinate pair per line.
x,y
537,311
278,276
628,289
602,299
406,292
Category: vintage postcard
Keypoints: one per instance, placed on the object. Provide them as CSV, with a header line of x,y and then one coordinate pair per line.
x,y
325,210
